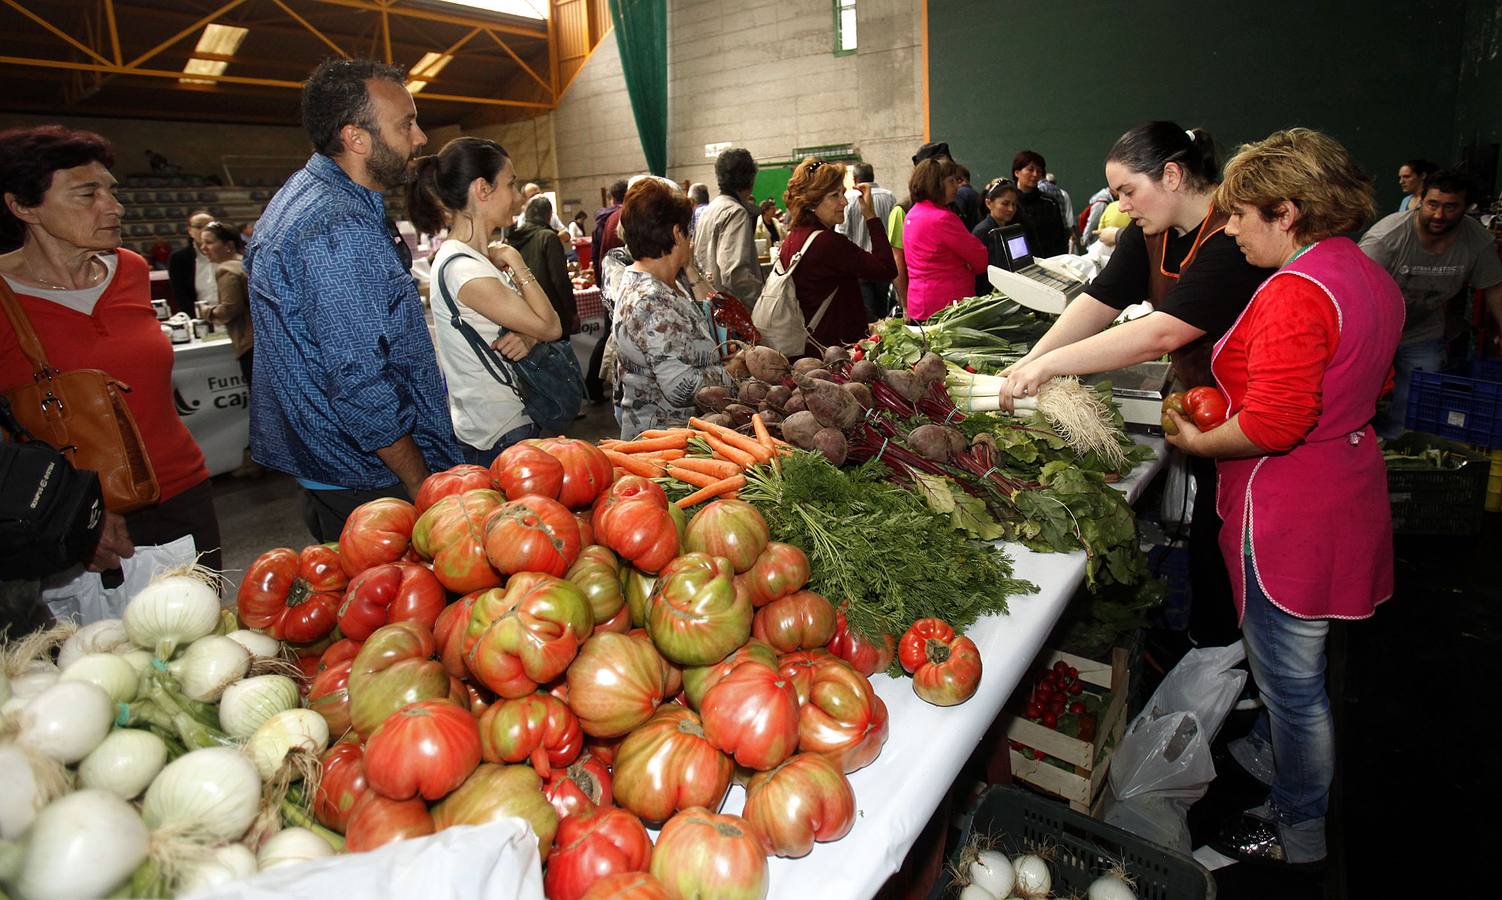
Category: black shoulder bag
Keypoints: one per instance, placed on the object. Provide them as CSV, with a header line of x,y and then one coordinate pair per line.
x,y
548,380
50,512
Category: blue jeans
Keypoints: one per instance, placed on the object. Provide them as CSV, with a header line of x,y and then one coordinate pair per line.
x,y
477,457
1428,356
1287,657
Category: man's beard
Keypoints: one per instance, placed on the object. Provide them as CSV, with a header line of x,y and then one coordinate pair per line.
x,y
1446,227
385,166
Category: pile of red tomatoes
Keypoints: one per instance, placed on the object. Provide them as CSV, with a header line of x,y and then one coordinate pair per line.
x,y
547,640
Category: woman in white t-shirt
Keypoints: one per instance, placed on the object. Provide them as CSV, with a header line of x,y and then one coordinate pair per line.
x,y
469,187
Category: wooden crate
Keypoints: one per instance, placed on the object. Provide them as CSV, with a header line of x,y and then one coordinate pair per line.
x,y
1091,762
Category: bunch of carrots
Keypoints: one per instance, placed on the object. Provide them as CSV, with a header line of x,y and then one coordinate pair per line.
x,y
666,453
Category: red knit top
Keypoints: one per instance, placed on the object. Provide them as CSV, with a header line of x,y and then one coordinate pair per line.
x,y
123,338
1273,363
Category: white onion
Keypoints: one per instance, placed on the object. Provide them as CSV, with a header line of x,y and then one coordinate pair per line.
x,y
259,646
177,607
28,782
1033,878
108,670
103,636
229,863
974,891
139,659
212,793
288,730
4,687
124,763
24,687
67,720
83,845
1110,887
993,872
248,703
290,846
208,666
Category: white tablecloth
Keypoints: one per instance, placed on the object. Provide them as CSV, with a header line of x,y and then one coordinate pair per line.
x,y
898,793
212,399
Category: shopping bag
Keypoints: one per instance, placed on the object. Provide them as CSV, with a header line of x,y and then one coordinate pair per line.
x,y
82,596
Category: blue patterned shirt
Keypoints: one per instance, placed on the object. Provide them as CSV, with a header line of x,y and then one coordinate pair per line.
x,y
344,362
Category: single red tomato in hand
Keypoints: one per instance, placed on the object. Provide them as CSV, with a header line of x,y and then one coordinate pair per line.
x,y
427,748
393,592
591,845
293,596
1207,406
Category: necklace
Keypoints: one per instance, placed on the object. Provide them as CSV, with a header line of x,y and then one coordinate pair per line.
x,y
89,278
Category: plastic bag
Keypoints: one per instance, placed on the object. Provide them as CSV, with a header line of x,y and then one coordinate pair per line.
x,y
497,859
82,596
1163,765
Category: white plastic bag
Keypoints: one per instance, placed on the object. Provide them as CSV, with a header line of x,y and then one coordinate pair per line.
x,y
1163,765
497,859
82,596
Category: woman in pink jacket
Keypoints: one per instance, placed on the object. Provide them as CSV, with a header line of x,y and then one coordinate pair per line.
x,y
943,257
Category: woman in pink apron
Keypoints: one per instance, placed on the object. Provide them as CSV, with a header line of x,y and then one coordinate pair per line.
x,y
1303,488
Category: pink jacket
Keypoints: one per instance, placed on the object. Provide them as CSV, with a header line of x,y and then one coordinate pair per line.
x,y
942,258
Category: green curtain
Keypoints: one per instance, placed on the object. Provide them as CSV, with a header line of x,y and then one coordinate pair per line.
x,y
641,35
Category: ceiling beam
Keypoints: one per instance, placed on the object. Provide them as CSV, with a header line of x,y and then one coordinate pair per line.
x,y
57,32
314,31
394,8
181,34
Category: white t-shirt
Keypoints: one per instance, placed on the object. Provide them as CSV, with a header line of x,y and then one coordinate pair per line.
x,y
482,409
205,280
83,300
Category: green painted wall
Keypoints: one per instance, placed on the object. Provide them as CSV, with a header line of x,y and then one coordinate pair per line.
x,y
1067,77
1478,115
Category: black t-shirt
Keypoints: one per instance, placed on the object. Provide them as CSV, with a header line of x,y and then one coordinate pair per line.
x,y
1209,295
1040,218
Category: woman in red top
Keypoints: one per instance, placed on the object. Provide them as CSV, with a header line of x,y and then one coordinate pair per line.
x,y
1303,488
89,303
833,266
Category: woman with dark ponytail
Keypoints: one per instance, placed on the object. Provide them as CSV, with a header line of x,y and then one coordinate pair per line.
x,y
469,188
1177,255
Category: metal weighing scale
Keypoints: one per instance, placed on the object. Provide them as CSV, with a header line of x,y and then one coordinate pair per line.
x,y
1139,391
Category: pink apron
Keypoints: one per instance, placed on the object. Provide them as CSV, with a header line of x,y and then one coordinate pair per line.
x,y
1316,521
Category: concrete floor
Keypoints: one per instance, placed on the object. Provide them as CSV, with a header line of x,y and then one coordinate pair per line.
x,y
258,514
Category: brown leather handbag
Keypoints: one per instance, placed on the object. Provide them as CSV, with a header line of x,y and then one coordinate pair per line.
x,y
82,413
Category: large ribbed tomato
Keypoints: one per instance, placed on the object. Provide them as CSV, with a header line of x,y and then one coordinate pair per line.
x,y
591,845
700,854
524,469
950,673
450,483
425,748
377,820
627,886
342,650
912,649
537,728
780,570
532,534
329,696
668,765
867,656
798,668
805,799
697,680
341,784
376,532
802,620
752,714
451,533
449,632
639,527
391,592
841,715
733,529
616,683
584,785
526,635
293,596
597,572
395,667
587,472
695,615
495,792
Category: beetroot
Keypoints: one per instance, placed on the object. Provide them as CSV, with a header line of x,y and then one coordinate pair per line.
x,y
795,403
799,429
777,397
807,364
835,354
720,419
831,442
735,367
905,383
740,414
934,442
931,368
865,371
821,374
770,417
711,398
753,391
860,392
766,364
831,405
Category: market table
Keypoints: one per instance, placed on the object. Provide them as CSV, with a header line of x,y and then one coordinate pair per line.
x,y
212,399
897,794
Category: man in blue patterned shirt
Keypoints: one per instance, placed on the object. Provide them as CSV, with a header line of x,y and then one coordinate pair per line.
x,y
348,396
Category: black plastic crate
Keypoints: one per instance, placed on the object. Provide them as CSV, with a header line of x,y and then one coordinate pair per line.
x,y
1083,849
1438,501
1456,407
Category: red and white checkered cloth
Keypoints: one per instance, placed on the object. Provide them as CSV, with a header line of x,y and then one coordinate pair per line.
x,y
589,304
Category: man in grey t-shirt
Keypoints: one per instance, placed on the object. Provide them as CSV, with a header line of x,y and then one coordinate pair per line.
x,y
1433,252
